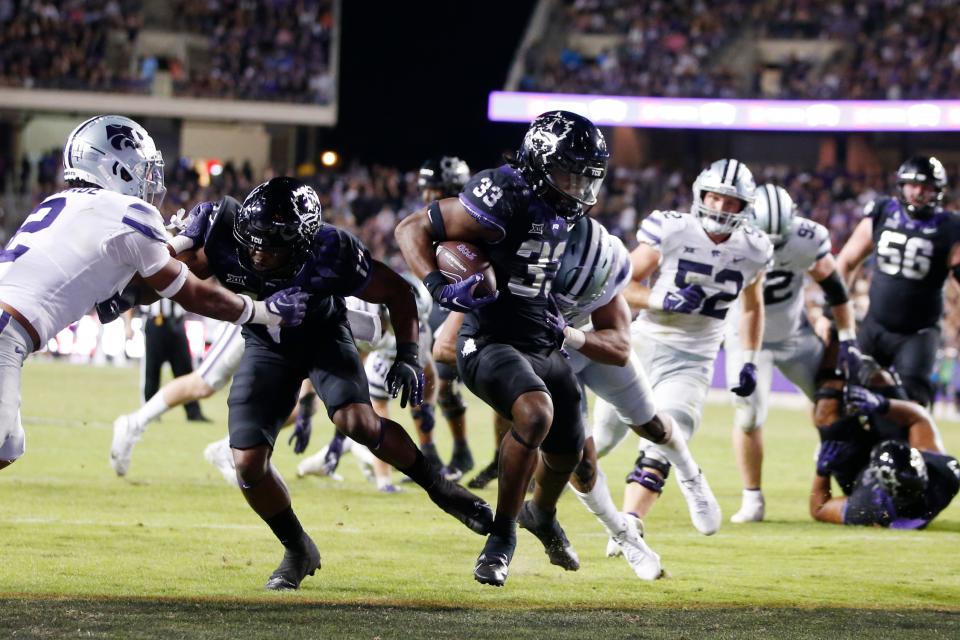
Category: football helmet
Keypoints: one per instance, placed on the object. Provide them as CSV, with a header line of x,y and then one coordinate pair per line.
x,y
899,469
117,154
564,158
773,212
923,170
446,174
727,177
280,215
595,267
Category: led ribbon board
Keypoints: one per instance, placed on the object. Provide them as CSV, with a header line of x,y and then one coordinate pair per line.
x,y
756,115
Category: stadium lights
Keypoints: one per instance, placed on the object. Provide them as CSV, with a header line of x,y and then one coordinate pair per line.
x,y
329,158
756,115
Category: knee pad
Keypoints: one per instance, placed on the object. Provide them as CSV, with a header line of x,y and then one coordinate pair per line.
x,y
656,429
15,444
640,475
424,413
451,401
745,419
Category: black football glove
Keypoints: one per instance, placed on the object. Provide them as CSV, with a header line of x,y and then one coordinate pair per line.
x,y
114,306
406,375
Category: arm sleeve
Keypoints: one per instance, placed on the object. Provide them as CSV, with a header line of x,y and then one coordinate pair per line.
x,y
490,198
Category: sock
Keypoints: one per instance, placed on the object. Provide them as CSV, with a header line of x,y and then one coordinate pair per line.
x,y
599,502
677,453
287,528
459,446
504,527
383,482
151,410
420,472
541,515
752,496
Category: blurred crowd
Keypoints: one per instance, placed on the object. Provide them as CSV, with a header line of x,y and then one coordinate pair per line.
x,y
277,50
890,49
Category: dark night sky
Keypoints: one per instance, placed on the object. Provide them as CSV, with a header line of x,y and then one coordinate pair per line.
x,y
414,79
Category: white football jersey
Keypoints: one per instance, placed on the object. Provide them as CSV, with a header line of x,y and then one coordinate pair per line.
x,y
689,256
807,241
78,248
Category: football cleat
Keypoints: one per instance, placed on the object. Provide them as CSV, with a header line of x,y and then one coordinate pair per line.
x,y
641,558
493,565
219,455
460,463
469,509
751,510
613,549
126,433
704,508
316,465
551,534
488,473
294,567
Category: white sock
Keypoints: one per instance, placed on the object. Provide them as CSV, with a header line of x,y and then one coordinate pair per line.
x,y
752,496
677,453
152,409
599,502
383,481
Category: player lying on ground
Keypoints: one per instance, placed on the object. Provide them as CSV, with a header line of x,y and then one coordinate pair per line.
x,y
706,261
276,238
82,246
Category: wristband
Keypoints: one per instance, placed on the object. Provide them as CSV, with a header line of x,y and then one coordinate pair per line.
x,y
176,285
434,282
655,300
181,243
261,315
749,356
573,338
247,314
846,335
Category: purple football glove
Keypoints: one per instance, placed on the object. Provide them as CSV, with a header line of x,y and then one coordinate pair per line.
x,y
555,320
748,380
406,375
863,401
458,296
300,438
832,455
331,459
290,305
849,360
196,223
686,300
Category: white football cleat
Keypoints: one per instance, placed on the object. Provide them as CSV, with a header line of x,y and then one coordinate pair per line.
x,y
751,510
641,558
126,433
315,465
613,548
704,508
219,455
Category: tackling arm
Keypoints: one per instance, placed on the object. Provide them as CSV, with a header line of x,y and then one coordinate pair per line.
x,y
609,342
823,506
855,251
645,260
196,295
825,272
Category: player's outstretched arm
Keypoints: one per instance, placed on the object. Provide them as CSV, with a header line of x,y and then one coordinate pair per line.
x,y
645,260
824,507
855,251
609,342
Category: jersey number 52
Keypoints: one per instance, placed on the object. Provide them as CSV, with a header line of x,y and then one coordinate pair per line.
x,y
712,305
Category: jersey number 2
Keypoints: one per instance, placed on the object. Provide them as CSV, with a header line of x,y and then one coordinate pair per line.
x,y
34,222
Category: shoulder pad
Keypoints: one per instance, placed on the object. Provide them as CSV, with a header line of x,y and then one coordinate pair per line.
x,y
144,218
492,196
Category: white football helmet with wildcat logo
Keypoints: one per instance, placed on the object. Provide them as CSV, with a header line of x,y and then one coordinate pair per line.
x,y
727,177
117,154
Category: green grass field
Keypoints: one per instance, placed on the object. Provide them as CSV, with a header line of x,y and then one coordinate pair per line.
x,y
172,551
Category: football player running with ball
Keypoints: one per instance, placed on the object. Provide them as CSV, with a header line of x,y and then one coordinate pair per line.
x,y
519,215
916,247
707,260
276,239
789,343
81,248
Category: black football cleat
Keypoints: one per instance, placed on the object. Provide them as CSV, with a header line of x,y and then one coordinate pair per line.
x,y
294,567
494,561
486,475
460,463
469,509
551,534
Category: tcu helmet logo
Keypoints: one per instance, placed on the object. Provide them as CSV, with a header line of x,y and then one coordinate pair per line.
x,y
550,129
122,137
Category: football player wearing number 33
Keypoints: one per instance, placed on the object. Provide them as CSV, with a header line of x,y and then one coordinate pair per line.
x,y
706,261
520,216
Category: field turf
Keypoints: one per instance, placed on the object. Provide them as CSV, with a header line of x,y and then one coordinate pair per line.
x,y
171,551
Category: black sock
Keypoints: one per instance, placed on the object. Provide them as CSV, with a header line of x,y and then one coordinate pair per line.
x,y
541,516
420,472
287,528
460,446
504,527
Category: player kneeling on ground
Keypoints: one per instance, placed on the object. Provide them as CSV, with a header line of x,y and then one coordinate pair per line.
x,y
276,239
81,248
